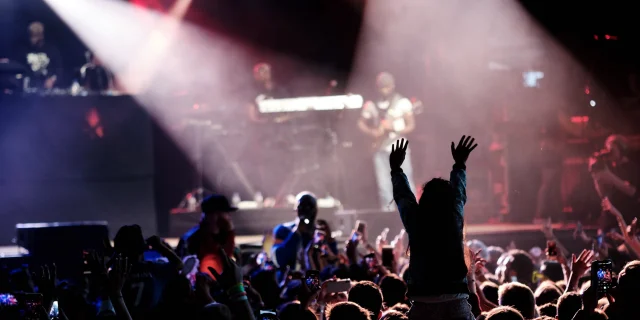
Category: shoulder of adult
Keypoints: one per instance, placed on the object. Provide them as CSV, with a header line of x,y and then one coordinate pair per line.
x,y
404,104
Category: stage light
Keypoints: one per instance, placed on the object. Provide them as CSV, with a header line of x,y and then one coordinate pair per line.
x,y
606,36
592,103
587,90
595,36
580,119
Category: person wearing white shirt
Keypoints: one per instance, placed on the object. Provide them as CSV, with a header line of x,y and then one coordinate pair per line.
x,y
387,119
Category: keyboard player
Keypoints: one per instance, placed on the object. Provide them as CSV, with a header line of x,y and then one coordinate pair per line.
x,y
387,119
261,158
265,87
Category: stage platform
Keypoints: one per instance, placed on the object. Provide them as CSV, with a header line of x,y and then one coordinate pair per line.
x,y
499,234
525,236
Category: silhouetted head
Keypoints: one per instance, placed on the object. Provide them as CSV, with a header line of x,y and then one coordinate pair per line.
x,y
548,310
437,196
504,313
518,296
129,242
367,295
617,145
307,207
386,83
295,311
262,72
347,311
547,292
36,33
394,289
628,283
568,304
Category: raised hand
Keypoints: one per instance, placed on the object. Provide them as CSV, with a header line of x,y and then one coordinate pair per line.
x,y
632,229
203,287
46,281
381,240
398,244
96,263
398,153
461,152
478,264
580,265
154,242
118,275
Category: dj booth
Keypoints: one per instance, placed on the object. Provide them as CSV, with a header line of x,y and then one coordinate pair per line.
x,y
66,158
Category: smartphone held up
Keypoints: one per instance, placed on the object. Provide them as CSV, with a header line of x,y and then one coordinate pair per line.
x,y
312,280
602,276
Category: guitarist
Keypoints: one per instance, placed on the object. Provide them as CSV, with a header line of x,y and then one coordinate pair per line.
x,y
387,119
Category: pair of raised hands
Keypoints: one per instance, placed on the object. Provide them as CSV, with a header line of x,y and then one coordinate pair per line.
x,y
113,278
460,152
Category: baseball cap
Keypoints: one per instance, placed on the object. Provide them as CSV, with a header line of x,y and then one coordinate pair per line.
x,y
216,203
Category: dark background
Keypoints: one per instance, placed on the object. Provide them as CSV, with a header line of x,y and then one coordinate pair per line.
x,y
55,168
48,161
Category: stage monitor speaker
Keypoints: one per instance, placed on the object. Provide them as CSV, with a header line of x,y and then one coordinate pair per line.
x,y
62,243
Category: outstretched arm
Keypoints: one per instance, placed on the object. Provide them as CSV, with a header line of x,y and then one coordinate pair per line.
x,y
165,250
402,194
629,237
458,176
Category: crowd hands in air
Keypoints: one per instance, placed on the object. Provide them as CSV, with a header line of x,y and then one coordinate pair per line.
x,y
429,271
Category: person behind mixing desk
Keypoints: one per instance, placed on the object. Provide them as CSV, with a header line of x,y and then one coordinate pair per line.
x,y
94,76
43,60
387,119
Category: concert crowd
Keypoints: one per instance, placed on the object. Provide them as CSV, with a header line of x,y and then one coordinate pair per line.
x,y
428,271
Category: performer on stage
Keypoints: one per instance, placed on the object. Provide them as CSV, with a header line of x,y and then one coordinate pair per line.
x,y
42,58
94,76
387,119
263,155
616,177
265,87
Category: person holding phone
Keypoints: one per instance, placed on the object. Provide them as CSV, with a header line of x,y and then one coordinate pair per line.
x,y
291,238
437,287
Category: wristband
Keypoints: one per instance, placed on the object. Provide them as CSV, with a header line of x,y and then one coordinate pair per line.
x,y
240,299
461,166
238,288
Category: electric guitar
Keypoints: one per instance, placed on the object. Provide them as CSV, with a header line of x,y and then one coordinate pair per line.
x,y
388,137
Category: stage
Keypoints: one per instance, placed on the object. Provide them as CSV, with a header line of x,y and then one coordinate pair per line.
x,y
525,236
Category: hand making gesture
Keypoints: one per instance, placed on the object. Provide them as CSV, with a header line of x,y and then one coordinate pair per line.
x,y
398,153
461,152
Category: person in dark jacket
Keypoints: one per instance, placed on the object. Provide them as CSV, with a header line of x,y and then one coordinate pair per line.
x,y
438,287
293,237
214,231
